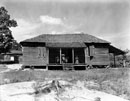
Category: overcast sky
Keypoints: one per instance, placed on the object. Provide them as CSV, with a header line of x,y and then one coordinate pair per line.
x,y
106,19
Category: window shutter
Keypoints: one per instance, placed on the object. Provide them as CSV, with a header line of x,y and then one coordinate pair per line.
x,y
91,50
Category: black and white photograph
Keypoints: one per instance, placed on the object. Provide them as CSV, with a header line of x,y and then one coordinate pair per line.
x,y
64,50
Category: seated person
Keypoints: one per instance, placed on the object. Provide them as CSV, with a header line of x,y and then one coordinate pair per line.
x,y
57,59
76,60
64,59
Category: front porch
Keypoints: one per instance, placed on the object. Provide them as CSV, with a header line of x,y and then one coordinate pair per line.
x,y
66,58
66,66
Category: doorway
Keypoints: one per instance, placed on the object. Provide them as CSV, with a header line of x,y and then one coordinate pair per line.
x,y
67,54
54,55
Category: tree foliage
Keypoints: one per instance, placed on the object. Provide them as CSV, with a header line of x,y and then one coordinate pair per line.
x,y
6,38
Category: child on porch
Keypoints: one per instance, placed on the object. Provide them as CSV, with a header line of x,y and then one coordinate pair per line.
x,y
64,59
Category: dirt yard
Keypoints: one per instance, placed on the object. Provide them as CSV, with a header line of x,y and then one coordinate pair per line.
x,y
115,81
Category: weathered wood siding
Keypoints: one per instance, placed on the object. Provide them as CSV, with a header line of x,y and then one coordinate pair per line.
x,y
99,55
91,50
34,56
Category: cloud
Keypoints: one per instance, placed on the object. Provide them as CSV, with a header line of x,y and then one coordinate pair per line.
x,y
121,41
24,29
50,25
53,25
50,20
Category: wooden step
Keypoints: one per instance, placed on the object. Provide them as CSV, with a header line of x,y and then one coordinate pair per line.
x,y
68,67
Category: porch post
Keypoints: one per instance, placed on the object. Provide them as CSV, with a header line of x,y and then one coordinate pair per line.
x,y
114,60
47,58
60,55
47,55
86,55
73,55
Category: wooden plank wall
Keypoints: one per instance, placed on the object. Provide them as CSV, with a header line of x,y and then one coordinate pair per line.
x,y
34,56
99,56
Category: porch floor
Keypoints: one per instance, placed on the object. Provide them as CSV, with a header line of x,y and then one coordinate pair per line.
x,y
67,66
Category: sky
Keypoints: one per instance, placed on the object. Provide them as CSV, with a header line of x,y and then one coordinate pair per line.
x,y
105,19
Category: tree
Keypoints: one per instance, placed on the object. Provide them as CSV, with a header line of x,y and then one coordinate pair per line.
x,y
126,59
123,60
6,38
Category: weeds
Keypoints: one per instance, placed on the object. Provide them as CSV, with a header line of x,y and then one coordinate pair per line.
x,y
113,81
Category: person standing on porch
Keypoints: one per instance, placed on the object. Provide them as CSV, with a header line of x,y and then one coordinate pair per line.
x,y
64,59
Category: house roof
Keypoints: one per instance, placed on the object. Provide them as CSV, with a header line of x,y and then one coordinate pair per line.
x,y
64,45
68,40
115,50
14,52
65,38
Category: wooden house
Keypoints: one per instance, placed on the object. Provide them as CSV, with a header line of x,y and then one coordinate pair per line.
x,y
67,51
14,56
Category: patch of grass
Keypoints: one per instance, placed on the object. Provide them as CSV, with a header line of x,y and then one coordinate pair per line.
x,y
98,75
113,80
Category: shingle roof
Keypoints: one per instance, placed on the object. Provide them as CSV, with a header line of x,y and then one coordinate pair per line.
x,y
73,44
65,38
115,50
